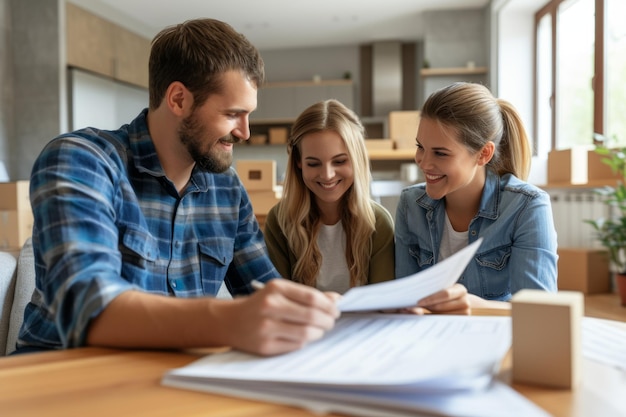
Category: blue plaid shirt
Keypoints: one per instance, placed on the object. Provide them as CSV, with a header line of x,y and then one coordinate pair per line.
x,y
108,220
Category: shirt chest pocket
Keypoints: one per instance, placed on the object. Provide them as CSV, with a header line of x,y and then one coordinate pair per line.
x,y
216,255
422,257
140,254
495,278
495,259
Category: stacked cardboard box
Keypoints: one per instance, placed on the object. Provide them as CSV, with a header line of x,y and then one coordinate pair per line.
x,y
585,270
379,144
16,216
278,135
578,165
259,179
403,128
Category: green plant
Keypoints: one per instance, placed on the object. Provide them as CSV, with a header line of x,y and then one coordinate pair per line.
x,y
611,231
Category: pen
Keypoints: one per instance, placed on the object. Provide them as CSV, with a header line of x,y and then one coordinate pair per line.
x,y
257,285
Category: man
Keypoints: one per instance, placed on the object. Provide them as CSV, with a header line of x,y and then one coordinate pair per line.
x,y
136,229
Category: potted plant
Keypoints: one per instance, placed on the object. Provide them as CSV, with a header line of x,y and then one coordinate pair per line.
x,y
611,231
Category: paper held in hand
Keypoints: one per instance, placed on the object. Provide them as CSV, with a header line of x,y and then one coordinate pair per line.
x,y
406,292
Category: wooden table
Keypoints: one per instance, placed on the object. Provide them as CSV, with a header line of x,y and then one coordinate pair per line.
x,y
109,382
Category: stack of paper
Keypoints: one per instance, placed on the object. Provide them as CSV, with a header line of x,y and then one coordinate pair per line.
x,y
380,364
376,364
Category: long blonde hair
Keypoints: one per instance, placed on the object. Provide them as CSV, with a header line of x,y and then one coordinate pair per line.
x,y
298,214
478,117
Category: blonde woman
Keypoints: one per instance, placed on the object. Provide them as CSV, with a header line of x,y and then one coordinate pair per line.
x,y
327,232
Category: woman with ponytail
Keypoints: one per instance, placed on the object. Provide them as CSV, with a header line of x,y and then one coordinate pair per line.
x,y
475,156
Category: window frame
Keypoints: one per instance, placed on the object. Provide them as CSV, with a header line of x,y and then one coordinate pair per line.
x,y
598,81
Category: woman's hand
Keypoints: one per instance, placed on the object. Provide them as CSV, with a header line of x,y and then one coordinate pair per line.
x,y
452,300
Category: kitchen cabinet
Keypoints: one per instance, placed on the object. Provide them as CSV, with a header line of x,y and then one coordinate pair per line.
x,y
102,47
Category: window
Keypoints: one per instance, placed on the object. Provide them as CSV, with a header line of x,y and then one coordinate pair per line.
x,y
574,73
543,75
615,38
580,72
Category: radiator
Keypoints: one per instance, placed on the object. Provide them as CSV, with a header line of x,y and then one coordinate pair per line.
x,y
570,208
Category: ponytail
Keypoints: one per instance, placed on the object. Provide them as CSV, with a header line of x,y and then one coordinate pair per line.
x,y
478,117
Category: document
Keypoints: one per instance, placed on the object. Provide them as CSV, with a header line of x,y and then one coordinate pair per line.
x,y
604,341
406,292
376,364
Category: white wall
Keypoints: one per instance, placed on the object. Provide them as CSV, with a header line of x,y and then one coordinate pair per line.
x,y
512,61
103,103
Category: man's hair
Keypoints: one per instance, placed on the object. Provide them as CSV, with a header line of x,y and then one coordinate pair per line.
x,y
196,53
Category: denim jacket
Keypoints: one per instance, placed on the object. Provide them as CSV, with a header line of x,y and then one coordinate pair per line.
x,y
519,249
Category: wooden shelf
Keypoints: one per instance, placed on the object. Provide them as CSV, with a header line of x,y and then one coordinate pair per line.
x,y
433,72
392,155
587,185
307,83
263,122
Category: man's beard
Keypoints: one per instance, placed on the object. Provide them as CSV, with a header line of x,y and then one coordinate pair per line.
x,y
190,133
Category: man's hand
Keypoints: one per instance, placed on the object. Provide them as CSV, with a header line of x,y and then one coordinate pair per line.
x,y
281,317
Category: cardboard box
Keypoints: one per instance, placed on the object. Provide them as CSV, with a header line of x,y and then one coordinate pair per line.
x,y
568,166
263,201
257,174
547,337
14,195
259,139
15,227
403,128
584,269
599,171
278,135
379,144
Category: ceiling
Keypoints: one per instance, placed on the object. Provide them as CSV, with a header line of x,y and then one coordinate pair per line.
x,y
280,24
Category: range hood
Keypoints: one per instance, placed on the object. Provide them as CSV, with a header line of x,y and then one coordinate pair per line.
x,y
386,77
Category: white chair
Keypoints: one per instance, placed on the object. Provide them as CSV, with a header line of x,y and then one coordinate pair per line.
x,y
24,287
8,268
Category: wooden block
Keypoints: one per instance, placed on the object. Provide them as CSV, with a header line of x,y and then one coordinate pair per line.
x,y
585,270
547,337
278,135
403,128
257,174
15,227
14,195
568,166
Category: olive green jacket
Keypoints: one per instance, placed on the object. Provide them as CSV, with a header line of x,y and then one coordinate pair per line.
x,y
381,261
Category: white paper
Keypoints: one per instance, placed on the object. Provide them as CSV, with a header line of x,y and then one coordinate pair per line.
x,y
376,364
377,350
406,292
496,400
604,341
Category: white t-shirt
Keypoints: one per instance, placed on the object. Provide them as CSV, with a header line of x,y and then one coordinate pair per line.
x,y
334,274
451,240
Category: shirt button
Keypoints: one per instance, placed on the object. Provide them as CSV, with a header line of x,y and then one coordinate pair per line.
x,y
473,232
173,284
177,244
